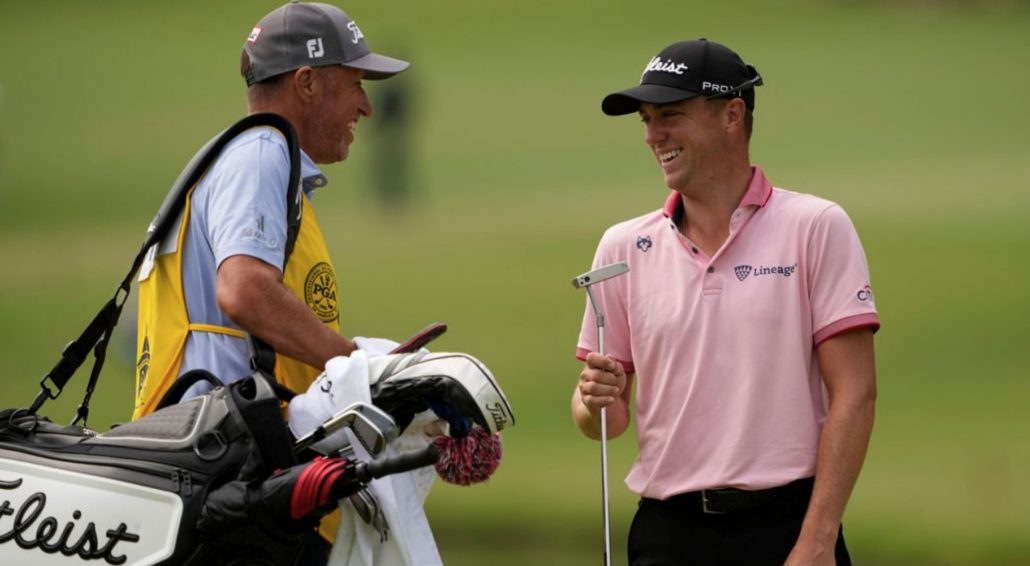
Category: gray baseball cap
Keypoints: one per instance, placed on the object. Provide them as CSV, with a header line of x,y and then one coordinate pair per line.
x,y
315,34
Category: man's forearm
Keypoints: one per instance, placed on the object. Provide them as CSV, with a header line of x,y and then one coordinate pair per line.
x,y
590,422
252,294
288,325
849,373
842,450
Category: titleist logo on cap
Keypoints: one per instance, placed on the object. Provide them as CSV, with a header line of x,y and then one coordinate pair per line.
x,y
669,66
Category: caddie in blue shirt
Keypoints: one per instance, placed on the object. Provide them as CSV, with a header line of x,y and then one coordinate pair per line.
x,y
225,272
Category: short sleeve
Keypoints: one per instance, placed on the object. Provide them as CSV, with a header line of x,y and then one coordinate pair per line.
x,y
246,204
840,290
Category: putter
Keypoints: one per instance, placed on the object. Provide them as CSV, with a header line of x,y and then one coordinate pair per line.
x,y
586,281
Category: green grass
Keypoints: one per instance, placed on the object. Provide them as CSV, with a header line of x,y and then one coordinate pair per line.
x,y
911,115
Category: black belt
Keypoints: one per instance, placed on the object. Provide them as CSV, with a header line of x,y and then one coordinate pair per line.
x,y
728,500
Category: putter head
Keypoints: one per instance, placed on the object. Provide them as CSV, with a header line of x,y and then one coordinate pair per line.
x,y
373,428
600,274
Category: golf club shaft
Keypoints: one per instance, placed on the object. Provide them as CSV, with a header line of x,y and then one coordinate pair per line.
x,y
604,455
587,281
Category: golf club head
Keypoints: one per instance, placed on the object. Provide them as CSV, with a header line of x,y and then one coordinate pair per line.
x,y
373,428
600,274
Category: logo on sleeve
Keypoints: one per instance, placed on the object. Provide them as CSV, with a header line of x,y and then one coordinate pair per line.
x,y
320,292
643,243
865,294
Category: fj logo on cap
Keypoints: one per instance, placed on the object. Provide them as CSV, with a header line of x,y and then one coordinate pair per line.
x,y
315,48
353,27
254,33
670,66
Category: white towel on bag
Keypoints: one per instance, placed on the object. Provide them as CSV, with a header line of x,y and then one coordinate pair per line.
x,y
401,496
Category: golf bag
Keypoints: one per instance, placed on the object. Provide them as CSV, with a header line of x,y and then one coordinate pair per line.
x,y
134,495
211,480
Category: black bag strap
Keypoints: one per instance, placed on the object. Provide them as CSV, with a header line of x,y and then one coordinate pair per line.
x,y
182,385
97,334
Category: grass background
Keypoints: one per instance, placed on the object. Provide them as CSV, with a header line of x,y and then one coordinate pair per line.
x,y
912,115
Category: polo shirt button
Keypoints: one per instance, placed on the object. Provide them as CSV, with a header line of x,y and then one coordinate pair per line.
x,y
711,269
694,249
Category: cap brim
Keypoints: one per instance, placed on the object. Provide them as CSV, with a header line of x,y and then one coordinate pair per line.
x,y
378,67
628,101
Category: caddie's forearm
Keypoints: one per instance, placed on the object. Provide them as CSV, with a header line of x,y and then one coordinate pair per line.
x,y
252,294
589,423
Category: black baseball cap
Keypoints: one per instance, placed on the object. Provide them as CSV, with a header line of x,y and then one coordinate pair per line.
x,y
684,70
315,34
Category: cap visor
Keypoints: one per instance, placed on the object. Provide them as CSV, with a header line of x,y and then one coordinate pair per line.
x,y
378,67
628,101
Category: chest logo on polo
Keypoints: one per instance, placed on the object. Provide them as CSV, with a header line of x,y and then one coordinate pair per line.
x,y
320,292
743,271
643,243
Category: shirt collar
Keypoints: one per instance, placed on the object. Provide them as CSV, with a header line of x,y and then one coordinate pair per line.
x,y
758,193
311,176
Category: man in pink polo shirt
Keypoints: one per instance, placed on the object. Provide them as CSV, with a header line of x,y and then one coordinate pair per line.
x,y
746,321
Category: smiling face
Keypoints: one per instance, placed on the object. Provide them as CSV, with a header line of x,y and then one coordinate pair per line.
x,y
691,140
337,103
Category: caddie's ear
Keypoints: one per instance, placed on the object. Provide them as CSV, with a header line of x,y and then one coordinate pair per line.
x,y
305,83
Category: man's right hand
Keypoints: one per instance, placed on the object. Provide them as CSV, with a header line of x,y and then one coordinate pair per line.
x,y
602,383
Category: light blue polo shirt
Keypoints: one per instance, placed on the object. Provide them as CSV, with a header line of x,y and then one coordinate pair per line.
x,y
238,208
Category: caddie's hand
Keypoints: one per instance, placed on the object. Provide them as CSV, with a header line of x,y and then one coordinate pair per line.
x,y
601,382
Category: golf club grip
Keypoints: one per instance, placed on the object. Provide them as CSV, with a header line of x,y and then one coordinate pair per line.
x,y
421,338
403,462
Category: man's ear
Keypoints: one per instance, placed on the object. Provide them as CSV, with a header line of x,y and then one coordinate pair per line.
x,y
305,83
733,114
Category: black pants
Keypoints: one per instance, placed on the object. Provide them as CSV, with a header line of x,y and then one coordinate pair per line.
x,y
677,532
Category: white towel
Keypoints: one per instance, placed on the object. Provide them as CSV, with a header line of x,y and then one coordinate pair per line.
x,y
401,496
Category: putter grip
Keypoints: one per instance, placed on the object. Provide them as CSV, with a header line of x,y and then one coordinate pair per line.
x,y
403,462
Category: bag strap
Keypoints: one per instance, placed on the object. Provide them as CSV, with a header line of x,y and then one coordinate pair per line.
x,y
97,334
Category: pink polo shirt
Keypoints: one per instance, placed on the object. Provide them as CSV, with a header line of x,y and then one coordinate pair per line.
x,y
729,391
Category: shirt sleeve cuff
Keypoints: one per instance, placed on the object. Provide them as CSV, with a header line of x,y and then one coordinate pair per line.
x,y
867,320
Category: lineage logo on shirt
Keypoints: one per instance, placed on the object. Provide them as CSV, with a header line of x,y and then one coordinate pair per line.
x,y
744,271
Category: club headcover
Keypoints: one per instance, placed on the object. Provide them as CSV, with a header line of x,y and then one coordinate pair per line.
x,y
457,387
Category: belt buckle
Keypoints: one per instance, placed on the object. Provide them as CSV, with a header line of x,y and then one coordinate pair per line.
x,y
705,501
